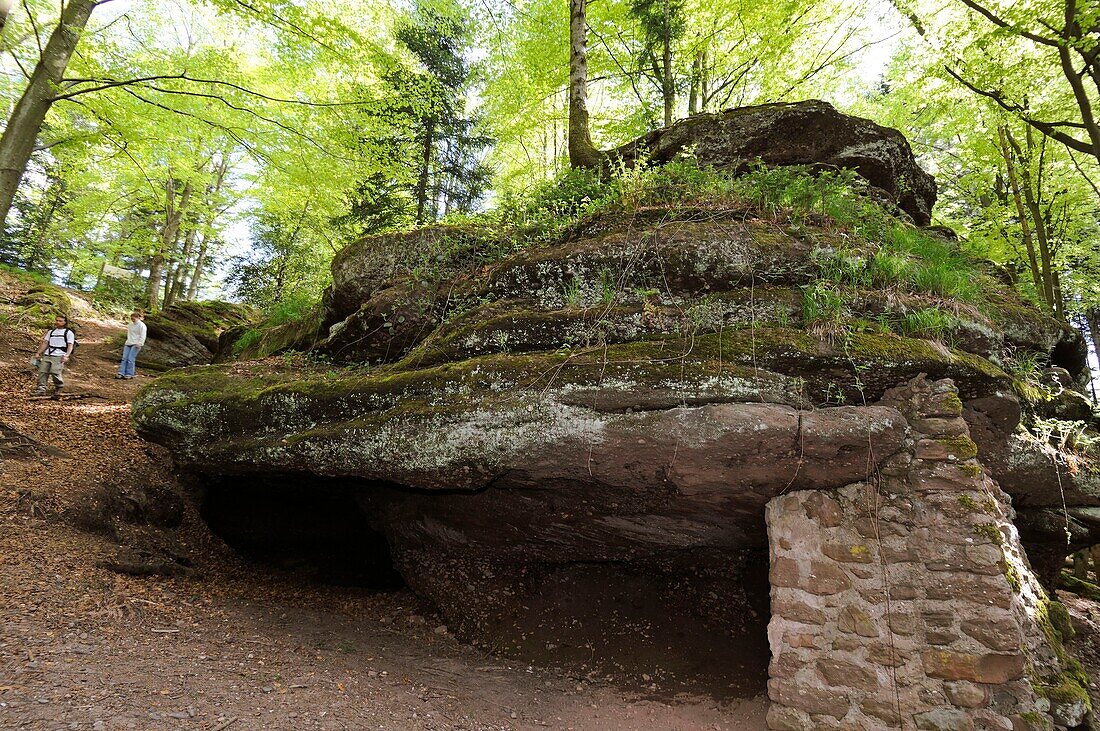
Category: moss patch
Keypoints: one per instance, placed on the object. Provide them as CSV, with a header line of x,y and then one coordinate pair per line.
x,y
962,447
41,303
1081,587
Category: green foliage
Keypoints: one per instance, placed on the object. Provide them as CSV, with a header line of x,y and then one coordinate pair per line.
x,y
342,118
822,305
293,308
1065,436
282,270
23,275
425,149
1026,365
716,61
925,323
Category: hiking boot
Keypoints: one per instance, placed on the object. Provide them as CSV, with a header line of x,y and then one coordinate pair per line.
x,y
56,395
38,392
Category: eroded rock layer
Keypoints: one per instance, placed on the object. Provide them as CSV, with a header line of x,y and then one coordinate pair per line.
x,y
190,333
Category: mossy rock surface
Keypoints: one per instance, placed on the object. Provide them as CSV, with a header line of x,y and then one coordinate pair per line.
x,y
189,333
639,387
447,329
41,303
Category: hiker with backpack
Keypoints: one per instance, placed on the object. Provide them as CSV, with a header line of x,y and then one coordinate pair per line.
x,y
54,352
135,339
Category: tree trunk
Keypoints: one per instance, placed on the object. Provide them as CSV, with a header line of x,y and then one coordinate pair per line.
x,y
1059,298
200,262
668,86
1071,39
173,214
1038,221
30,261
582,153
220,169
175,282
1021,210
17,142
425,173
696,80
704,81
1092,317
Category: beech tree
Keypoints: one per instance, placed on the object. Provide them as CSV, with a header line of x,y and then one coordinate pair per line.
x,y
1056,92
25,122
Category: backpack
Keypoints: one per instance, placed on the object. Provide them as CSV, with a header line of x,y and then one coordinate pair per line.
x,y
68,330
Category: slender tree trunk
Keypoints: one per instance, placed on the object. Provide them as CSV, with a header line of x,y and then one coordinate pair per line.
x,y
44,220
1021,210
172,216
425,173
171,262
17,142
175,282
696,81
1059,298
1071,39
704,82
668,85
1038,221
99,276
557,150
582,153
212,191
200,262
1092,317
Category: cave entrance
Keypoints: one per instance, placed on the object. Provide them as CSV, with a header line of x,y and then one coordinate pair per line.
x,y
309,525
504,576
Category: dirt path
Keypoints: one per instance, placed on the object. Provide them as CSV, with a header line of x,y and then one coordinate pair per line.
x,y
228,645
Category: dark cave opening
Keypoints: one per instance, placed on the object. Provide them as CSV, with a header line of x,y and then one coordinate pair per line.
x,y
1073,355
661,622
311,526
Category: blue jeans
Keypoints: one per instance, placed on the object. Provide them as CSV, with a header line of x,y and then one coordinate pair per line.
x,y
129,359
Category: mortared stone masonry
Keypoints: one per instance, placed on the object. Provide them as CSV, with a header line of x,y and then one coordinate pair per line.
x,y
906,601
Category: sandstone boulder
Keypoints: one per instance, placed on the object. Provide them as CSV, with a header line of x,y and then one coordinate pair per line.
x,y
809,133
189,333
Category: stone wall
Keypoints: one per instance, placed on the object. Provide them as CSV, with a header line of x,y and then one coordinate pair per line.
x,y
906,601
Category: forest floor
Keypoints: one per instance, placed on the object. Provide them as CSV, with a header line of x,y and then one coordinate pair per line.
x,y
227,644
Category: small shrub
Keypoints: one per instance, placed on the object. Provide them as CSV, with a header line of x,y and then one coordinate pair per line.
x,y
822,304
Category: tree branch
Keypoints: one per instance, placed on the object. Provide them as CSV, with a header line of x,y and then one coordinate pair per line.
x,y
1002,23
1048,128
107,83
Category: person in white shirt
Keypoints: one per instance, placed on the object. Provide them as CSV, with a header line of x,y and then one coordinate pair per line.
x,y
53,354
135,339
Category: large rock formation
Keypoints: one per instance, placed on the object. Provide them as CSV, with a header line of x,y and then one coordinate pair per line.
x,y
801,133
190,333
520,424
